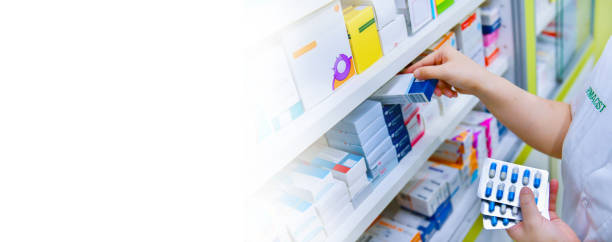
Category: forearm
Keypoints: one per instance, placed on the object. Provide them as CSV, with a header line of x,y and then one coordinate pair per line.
x,y
541,123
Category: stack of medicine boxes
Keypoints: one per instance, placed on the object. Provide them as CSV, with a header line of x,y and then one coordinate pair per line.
x,y
385,229
491,23
456,151
398,132
469,37
364,132
346,167
430,193
310,184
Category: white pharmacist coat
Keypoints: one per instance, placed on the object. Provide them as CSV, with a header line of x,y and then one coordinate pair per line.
x,y
587,156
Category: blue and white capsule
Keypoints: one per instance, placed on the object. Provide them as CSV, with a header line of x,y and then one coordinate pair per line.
x,y
525,177
503,173
492,169
503,208
514,176
493,221
505,221
500,191
511,193
537,179
491,206
489,189
536,195
514,211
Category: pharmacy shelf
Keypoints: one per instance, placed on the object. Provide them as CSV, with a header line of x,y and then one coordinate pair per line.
x,y
465,212
391,185
274,152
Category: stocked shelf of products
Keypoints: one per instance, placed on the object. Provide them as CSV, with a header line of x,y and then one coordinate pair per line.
x,y
465,212
281,147
389,187
545,13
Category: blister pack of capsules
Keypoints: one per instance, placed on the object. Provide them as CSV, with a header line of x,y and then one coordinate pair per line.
x,y
499,188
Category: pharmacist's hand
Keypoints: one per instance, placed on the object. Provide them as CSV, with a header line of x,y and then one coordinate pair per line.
x,y
534,226
453,69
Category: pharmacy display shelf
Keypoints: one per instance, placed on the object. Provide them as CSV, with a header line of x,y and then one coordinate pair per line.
x,y
397,178
274,152
465,212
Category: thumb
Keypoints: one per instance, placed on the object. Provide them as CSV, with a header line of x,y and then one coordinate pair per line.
x,y
431,72
529,210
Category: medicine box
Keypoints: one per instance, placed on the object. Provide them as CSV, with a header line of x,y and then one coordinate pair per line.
x,y
469,36
363,36
391,111
416,12
300,217
341,215
384,10
366,149
430,111
276,98
344,166
414,123
331,201
405,88
456,148
360,117
356,138
491,38
490,15
392,34
423,195
304,181
442,213
425,226
384,154
489,122
487,29
384,229
319,53
446,174
360,184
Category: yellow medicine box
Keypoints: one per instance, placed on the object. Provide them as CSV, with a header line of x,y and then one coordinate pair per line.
x,y
363,36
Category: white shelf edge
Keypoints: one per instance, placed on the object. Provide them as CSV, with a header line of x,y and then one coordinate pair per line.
x,y
391,185
454,226
282,147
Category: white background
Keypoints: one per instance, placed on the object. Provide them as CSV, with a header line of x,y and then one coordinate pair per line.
x,y
120,120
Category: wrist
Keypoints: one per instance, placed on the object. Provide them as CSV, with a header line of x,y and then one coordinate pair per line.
x,y
486,83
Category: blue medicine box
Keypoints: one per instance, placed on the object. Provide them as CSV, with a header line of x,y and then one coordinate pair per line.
x,y
487,29
361,117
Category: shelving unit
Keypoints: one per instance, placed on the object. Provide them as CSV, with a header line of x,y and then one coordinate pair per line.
x,y
281,148
390,186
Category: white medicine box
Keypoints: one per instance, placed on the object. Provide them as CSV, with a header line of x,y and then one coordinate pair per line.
x,y
276,99
319,53
392,34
